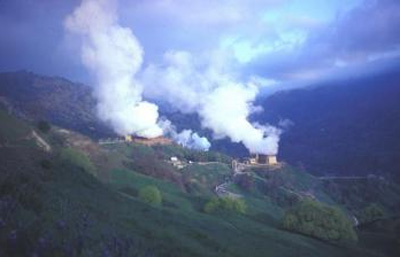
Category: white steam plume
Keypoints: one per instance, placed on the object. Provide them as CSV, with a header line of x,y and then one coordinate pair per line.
x,y
223,103
114,56
186,138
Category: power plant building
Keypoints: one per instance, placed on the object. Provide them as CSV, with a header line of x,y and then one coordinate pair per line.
x,y
263,159
128,138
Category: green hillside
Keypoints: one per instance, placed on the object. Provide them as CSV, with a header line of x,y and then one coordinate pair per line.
x,y
82,199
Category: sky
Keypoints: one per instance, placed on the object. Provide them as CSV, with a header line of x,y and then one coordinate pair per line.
x,y
273,42
212,58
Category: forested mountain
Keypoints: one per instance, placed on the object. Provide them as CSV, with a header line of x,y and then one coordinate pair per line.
x,y
347,127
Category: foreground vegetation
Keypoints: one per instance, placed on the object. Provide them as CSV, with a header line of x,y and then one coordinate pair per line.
x,y
321,221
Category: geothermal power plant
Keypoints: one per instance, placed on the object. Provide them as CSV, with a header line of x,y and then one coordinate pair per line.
x,y
257,158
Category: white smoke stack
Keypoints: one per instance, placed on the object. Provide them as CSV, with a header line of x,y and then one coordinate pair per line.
x,y
223,103
114,56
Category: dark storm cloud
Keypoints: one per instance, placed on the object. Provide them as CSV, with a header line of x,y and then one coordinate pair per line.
x,y
367,33
32,36
374,27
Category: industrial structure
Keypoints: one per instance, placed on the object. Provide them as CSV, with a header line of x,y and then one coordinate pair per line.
x,y
256,160
151,141
263,159
128,138
135,139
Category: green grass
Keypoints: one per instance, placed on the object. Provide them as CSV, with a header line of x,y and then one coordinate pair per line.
x,y
12,130
121,179
72,194
204,178
67,207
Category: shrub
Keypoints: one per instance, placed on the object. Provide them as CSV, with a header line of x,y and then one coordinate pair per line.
x,y
44,126
77,158
318,220
225,204
212,205
46,164
150,194
370,213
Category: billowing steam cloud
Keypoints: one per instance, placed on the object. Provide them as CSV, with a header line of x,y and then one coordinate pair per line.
x,y
201,85
222,102
186,138
114,56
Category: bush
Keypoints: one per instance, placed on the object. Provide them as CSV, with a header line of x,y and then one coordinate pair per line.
x,y
77,158
46,164
318,220
44,126
225,204
150,194
370,213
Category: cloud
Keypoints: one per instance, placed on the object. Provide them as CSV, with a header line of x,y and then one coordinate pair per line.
x,y
370,28
366,33
201,12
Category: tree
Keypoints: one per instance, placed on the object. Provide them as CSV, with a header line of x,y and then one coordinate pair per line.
x,y
225,204
150,194
318,220
77,158
44,126
371,213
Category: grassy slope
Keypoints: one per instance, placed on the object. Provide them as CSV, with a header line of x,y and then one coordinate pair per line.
x,y
12,131
67,208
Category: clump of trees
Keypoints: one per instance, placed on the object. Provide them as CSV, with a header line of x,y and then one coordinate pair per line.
x,y
225,204
370,213
77,158
151,195
319,220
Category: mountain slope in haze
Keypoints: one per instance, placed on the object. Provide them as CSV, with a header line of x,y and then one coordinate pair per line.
x,y
344,128
60,101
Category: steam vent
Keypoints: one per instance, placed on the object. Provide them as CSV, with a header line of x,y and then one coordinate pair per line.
x,y
263,159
